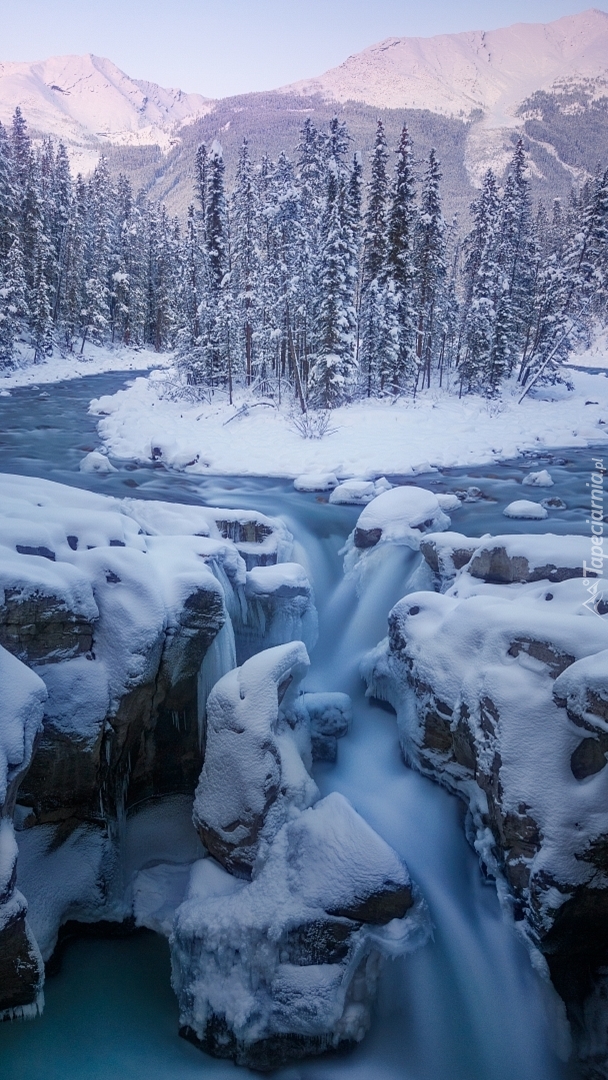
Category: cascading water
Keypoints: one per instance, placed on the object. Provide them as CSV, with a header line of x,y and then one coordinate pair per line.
x,y
468,1006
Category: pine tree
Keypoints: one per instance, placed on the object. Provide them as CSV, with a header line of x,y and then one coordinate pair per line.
x,y
245,277
401,268
431,268
8,210
374,267
14,309
333,370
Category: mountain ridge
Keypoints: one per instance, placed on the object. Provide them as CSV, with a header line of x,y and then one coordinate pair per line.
x,y
471,95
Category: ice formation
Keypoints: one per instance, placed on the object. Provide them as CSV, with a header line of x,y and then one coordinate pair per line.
x,y
277,948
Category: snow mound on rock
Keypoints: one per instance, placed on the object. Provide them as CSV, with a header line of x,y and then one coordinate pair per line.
x,y
315,482
97,463
538,479
525,509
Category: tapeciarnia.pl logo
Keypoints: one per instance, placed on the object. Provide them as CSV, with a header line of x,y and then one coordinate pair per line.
x,y
593,572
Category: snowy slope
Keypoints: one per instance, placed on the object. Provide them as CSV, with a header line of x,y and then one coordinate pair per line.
x,y
87,100
455,74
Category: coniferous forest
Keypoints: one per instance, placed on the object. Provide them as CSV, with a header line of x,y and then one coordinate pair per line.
x,y
310,278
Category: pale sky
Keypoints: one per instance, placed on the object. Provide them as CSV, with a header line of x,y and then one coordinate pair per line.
x,y
224,47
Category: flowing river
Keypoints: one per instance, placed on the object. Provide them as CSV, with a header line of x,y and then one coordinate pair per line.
x,y
468,1006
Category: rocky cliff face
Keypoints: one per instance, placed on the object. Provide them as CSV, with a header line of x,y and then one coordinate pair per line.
x,y
499,683
115,620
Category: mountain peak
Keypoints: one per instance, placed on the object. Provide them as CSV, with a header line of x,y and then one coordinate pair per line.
x,y
87,100
458,74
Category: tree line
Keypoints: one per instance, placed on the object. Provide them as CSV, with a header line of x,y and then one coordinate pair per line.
x,y
305,279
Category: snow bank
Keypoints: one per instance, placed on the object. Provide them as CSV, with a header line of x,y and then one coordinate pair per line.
x,y
96,360
371,438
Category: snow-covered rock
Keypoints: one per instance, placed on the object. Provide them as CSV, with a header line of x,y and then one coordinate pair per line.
x,y
123,607
277,948
500,690
329,716
359,492
21,710
448,501
280,607
399,516
504,560
523,508
538,479
353,493
94,462
253,773
316,482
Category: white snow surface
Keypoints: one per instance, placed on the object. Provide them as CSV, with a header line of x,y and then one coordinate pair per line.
x,y
524,508
372,438
21,711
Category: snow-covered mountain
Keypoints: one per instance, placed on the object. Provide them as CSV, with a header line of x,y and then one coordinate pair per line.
x,y
478,90
481,75
457,74
87,101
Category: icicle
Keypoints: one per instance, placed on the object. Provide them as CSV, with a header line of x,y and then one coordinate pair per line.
x,y
24,1012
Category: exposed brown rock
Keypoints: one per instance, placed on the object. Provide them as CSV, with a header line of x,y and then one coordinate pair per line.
x,y
40,629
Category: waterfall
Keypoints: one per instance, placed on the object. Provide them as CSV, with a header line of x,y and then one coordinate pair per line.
x,y
219,658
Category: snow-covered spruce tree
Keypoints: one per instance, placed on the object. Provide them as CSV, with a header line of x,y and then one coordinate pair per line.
x,y
42,321
285,277
586,255
518,258
245,258
431,271
311,178
14,309
216,313
96,292
373,308
332,375
482,285
74,268
8,210
400,373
